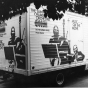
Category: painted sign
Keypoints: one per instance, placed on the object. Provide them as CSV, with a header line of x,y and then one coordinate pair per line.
x,y
40,21
75,25
2,28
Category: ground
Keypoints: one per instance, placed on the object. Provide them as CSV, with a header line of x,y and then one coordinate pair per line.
x,y
76,80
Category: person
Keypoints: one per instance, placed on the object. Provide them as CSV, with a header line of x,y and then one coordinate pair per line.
x,y
13,37
56,37
78,55
62,45
17,41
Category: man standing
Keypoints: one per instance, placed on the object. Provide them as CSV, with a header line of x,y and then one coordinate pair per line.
x,y
13,37
61,44
56,37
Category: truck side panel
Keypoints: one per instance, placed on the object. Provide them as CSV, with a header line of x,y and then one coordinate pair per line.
x,y
52,41
13,44
43,49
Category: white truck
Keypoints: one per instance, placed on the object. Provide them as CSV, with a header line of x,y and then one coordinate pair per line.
x,y
31,44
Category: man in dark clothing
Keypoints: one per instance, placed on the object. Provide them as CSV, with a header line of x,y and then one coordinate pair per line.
x,y
13,37
62,45
56,38
78,55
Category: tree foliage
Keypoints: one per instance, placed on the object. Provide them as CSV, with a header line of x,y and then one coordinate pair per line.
x,y
9,8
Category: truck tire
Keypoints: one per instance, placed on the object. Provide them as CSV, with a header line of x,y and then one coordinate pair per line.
x,y
60,79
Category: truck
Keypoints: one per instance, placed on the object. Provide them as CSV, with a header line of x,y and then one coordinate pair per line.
x,y
31,44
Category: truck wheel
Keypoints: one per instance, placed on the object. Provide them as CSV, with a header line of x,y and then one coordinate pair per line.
x,y
60,79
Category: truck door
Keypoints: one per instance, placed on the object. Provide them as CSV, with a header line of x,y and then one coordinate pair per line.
x,y
76,34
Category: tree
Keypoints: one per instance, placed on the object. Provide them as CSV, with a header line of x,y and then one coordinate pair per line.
x,y
80,6
55,8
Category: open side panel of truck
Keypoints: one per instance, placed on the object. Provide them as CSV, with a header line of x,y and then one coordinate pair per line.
x,y
53,42
49,45
43,48
13,44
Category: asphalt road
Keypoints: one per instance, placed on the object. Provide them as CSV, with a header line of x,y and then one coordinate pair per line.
x,y
79,80
76,80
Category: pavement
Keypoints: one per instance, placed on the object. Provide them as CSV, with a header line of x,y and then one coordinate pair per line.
x,y
79,80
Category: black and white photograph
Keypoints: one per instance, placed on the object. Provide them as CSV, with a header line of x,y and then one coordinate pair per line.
x,y
43,43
